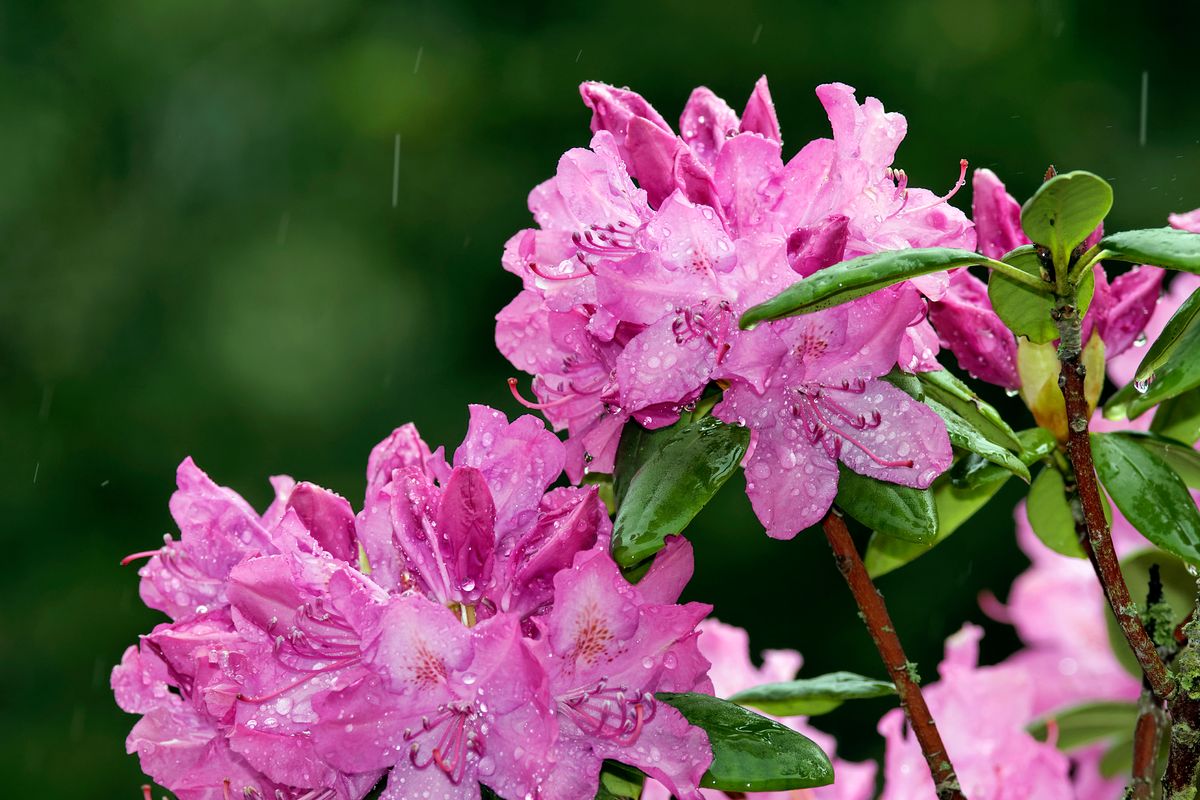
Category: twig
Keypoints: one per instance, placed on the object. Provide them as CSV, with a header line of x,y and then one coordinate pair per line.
x,y
1097,542
879,623
1151,721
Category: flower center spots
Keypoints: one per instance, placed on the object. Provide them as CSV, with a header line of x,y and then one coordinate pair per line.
x,y
609,712
426,669
820,413
592,636
447,739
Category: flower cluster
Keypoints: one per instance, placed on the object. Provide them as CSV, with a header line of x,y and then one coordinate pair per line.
x,y
651,243
466,626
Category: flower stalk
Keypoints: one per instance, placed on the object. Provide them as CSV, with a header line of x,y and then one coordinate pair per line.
x,y
879,624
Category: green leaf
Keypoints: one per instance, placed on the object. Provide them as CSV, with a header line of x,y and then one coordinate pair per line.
x,y
1149,493
1050,515
1088,723
954,507
1178,456
1178,373
677,476
1025,310
897,511
1179,418
1162,247
812,696
965,437
635,447
1064,211
948,390
973,470
620,782
1185,318
1179,593
855,278
750,752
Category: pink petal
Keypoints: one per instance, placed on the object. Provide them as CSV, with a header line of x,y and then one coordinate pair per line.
x,y
818,246
908,431
1189,221
997,215
982,343
328,518
746,162
706,123
466,524
651,157
670,572
1132,299
759,116
518,461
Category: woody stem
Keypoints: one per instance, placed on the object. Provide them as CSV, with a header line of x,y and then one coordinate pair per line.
x,y
879,623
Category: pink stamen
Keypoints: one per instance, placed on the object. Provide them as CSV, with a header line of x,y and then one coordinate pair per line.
x,y
264,698
146,791
815,409
512,387
537,270
129,559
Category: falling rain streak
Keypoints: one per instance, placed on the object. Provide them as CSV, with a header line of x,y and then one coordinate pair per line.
x,y
396,173
1145,107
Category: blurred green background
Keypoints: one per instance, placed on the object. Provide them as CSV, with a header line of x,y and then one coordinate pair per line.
x,y
201,255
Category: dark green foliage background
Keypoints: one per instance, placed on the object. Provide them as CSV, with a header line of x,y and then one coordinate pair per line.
x,y
199,254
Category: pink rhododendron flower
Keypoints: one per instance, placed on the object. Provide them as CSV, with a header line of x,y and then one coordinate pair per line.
x,y
728,648
649,246
605,651
982,343
981,713
485,635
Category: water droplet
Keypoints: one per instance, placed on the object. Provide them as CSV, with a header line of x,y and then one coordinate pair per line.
x,y
1140,341
1143,385
469,678
648,662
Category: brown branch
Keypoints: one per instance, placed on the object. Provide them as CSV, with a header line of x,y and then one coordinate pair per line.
x,y
879,623
1152,720
1097,542
1147,737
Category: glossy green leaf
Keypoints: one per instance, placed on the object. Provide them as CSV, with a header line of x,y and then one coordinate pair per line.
x,y
635,446
1179,373
811,696
1179,418
973,470
750,752
855,278
965,437
1064,211
1050,516
954,507
1087,723
893,510
1162,247
1185,318
1149,493
1180,457
1025,310
620,782
678,475
943,386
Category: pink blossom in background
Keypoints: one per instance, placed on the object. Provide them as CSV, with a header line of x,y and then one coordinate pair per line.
x,y
982,714
981,343
484,635
728,648
649,246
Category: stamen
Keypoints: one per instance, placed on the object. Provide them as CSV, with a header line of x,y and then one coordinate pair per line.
x,y
537,270
512,387
264,698
856,421
127,560
146,792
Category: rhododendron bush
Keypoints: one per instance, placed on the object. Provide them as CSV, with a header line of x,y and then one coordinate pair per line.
x,y
694,300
